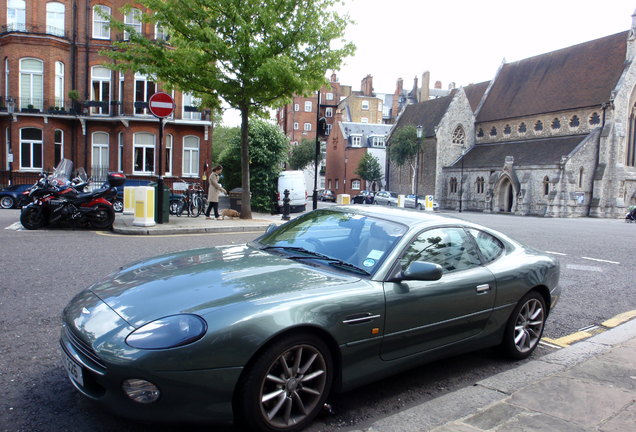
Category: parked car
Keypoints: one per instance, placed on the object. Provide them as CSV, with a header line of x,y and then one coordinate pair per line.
x,y
262,333
409,202
364,197
13,196
386,198
327,195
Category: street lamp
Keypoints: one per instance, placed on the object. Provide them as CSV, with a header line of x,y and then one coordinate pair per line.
x,y
418,131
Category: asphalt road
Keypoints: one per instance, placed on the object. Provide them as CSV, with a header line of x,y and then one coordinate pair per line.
x,y
43,270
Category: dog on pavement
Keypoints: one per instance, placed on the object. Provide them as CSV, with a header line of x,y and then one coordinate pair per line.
x,y
229,213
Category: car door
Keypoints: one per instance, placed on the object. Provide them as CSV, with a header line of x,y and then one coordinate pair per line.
x,y
424,315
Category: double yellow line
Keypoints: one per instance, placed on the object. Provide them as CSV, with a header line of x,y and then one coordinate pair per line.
x,y
594,330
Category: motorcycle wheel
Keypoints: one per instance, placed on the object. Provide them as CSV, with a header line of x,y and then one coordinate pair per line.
x,y
32,218
103,217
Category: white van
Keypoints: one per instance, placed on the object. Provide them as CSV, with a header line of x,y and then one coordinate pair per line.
x,y
294,181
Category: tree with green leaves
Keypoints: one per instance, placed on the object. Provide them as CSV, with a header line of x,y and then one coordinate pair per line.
x,y
369,169
403,149
303,154
269,147
253,54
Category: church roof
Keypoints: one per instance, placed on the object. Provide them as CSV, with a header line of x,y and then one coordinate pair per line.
x,y
474,93
578,76
538,151
428,114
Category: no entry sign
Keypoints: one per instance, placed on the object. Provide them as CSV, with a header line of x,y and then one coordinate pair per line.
x,y
161,104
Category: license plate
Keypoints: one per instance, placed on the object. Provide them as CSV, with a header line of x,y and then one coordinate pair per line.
x,y
74,370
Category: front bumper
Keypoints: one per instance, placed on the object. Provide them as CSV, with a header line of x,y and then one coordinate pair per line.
x,y
186,395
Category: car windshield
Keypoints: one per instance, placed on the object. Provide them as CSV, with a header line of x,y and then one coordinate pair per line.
x,y
349,241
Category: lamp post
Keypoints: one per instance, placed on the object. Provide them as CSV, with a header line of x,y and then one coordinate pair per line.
x,y
316,153
10,110
418,129
461,181
344,180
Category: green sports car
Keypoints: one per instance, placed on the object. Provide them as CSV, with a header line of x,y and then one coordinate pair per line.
x,y
261,333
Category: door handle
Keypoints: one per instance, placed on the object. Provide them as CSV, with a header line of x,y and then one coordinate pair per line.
x,y
483,288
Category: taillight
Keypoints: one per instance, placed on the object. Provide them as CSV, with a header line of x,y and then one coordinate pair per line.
x,y
277,196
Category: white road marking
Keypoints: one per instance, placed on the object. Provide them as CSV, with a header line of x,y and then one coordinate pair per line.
x,y
584,268
600,260
556,253
17,226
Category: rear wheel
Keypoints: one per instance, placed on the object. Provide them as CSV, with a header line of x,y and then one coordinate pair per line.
x,y
525,326
103,217
287,386
6,202
32,217
118,206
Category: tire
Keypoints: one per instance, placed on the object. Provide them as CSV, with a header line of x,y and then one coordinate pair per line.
x,y
525,327
174,206
32,217
103,217
180,207
118,206
275,398
195,207
419,206
7,202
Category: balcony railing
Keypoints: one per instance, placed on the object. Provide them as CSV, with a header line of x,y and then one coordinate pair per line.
x,y
34,29
58,106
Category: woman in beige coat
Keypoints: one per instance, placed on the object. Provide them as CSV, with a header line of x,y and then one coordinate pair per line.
x,y
213,192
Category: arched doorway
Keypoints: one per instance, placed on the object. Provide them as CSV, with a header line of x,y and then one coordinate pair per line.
x,y
505,196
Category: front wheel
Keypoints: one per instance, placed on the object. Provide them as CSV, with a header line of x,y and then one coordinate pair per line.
x,y
32,217
103,217
525,326
287,385
6,202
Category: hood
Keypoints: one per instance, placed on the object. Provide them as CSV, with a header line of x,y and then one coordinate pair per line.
x,y
198,281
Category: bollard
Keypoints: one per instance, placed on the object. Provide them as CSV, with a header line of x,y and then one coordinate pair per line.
x,y
286,205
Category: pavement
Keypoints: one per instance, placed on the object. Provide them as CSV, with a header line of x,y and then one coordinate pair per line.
x,y
587,386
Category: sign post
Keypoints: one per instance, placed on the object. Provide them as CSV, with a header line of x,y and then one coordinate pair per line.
x,y
161,105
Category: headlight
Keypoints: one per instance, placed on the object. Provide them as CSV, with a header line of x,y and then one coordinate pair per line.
x,y
169,332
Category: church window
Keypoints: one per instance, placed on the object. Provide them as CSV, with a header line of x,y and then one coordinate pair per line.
x,y
556,124
595,119
453,184
631,139
538,126
575,122
507,130
480,133
480,185
546,185
523,128
459,136
493,131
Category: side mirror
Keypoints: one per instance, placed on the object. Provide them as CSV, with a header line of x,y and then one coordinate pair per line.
x,y
424,271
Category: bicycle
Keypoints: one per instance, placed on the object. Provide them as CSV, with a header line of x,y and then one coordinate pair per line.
x,y
187,203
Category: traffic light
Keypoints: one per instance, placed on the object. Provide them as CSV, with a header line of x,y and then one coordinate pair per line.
x,y
322,126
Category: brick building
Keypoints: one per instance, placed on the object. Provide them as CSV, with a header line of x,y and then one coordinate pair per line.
x,y
57,100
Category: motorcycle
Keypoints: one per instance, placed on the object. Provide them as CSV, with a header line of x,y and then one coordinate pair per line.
x,y
57,198
631,216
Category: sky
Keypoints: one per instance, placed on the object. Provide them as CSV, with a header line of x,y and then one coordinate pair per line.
x,y
463,41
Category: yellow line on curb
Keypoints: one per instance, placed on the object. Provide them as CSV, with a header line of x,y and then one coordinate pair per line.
x,y
619,319
581,335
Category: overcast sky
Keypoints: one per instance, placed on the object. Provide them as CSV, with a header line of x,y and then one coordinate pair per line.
x,y
464,41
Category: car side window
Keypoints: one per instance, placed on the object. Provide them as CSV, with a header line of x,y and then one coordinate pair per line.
x,y
449,247
491,247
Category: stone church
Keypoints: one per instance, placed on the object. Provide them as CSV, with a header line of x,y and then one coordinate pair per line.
x,y
552,135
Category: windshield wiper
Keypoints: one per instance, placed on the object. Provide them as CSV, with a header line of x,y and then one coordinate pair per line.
x,y
335,262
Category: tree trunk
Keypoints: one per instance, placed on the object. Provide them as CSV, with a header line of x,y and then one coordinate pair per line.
x,y
246,200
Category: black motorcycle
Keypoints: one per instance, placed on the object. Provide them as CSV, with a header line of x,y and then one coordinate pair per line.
x,y
57,199
631,216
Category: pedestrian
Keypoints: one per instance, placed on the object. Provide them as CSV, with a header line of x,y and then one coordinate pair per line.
x,y
213,192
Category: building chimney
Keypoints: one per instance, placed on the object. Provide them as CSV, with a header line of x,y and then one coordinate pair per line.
x,y
425,91
367,86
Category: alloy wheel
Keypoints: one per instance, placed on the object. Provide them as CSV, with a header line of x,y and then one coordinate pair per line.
x,y
529,325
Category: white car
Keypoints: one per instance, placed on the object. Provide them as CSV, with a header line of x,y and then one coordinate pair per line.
x,y
386,198
409,202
